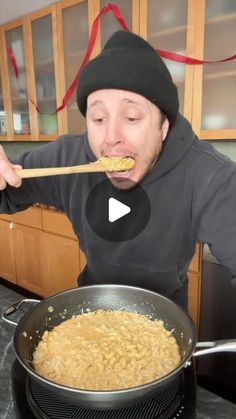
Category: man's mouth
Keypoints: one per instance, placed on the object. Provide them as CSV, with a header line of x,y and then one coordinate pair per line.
x,y
126,160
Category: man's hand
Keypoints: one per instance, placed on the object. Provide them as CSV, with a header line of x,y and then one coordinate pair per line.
x,y
7,172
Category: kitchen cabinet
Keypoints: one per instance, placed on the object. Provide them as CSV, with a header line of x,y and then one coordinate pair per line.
x,y
42,45
167,25
2,113
7,258
37,255
4,117
193,295
57,223
32,217
214,87
194,285
33,42
49,47
109,24
16,107
22,245
72,48
203,29
61,253
60,263
29,262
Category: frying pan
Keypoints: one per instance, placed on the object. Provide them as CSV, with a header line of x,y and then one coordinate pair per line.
x,y
51,311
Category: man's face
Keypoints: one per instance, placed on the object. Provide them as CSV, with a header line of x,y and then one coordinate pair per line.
x,y
122,123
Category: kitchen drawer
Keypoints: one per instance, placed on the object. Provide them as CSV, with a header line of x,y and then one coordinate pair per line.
x,y
32,217
57,223
6,217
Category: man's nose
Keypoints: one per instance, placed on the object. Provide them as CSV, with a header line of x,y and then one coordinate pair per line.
x,y
113,133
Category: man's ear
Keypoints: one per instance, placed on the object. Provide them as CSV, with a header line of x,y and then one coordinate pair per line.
x,y
165,128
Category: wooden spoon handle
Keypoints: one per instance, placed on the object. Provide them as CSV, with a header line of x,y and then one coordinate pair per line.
x,y
51,171
105,164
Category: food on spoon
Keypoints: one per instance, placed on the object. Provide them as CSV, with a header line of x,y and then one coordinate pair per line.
x,y
106,350
113,164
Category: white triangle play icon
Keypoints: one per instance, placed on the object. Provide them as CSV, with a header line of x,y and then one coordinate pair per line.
x,y
117,210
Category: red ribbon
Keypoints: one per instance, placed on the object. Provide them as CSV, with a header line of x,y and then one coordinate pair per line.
x,y
91,43
13,62
188,60
92,38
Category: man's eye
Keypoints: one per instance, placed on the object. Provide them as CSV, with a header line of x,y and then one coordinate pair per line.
x,y
132,120
99,120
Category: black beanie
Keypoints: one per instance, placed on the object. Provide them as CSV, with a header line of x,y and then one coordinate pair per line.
x,y
128,62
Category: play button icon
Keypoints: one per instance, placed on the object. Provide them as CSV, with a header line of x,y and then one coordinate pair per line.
x,y
116,214
116,210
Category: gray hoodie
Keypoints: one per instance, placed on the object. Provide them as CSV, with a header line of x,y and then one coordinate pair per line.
x,y
192,192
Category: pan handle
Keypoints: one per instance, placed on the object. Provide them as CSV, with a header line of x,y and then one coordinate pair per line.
x,y
216,346
14,307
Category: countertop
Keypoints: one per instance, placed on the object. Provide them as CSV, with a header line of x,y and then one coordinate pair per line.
x,y
209,405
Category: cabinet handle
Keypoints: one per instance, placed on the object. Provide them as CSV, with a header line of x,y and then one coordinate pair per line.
x,y
11,226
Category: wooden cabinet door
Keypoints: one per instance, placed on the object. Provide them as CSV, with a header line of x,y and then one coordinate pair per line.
x,y
31,217
33,40
61,264
167,25
15,89
3,116
43,54
72,49
28,247
214,99
7,259
196,262
57,223
194,296
109,23
194,287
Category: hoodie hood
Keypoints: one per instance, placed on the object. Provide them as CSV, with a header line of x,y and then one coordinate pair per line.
x,y
179,140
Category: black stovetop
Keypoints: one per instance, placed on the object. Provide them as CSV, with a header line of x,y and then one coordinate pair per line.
x,y
34,401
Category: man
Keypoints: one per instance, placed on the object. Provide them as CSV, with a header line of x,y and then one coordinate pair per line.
x,y
131,107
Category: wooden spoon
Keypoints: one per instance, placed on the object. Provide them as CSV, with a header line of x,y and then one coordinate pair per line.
x,y
105,164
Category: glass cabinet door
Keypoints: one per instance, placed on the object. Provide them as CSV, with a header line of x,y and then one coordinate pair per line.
x,y
2,112
43,54
18,89
166,29
75,28
110,24
218,109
